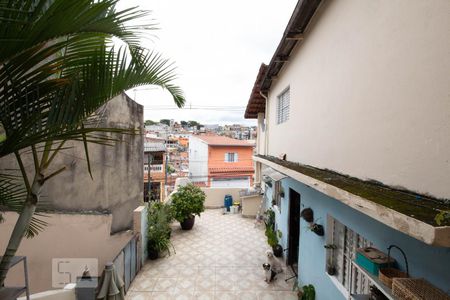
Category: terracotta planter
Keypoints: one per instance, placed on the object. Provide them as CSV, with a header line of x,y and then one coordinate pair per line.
x,y
187,224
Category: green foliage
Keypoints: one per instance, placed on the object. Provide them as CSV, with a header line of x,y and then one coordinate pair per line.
x,y
58,66
159,218
184,123
165,121
194,124
149,122
307,292
270,218
189,200
442,216
272,235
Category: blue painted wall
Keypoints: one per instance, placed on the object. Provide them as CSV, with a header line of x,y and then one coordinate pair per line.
x,y
431,263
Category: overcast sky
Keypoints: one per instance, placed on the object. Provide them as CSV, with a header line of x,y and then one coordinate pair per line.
x,y
217,47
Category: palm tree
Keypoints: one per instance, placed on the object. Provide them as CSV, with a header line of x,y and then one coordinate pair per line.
x,y
58,65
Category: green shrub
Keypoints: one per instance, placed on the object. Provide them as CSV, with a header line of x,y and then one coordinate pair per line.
x,y
159,218
271,234
189,200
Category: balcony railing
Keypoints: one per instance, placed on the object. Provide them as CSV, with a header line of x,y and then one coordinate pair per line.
x,y
154,168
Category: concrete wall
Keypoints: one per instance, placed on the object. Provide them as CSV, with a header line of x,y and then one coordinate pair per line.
x,y
198,159
140,227
424,260
370,94
117,170
215,196
67,236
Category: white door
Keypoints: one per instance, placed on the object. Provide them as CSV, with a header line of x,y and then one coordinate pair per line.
x,y
240,182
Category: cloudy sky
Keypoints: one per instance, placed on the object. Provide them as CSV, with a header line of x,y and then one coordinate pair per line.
x,y
217,47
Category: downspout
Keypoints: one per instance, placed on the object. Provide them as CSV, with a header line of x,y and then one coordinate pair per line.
x,y
266,129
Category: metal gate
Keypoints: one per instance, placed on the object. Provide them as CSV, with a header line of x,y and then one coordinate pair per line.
x,y
127,262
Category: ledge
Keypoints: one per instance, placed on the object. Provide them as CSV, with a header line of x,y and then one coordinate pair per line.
x,y
405,211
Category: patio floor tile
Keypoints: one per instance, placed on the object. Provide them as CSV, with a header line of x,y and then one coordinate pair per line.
x,y
220,258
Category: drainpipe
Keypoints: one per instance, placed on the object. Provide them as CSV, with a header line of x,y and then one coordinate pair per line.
x,y
266,129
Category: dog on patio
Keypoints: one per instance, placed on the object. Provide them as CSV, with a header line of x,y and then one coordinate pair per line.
x,y
272,267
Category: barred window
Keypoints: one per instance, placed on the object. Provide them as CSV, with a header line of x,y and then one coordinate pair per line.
x,y
231,157
283,106
346,241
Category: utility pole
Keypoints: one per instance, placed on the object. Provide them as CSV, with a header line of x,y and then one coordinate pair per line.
x,y
167,169
149,186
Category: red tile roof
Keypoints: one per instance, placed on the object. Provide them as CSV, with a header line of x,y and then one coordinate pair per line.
x,y
217,140
231,169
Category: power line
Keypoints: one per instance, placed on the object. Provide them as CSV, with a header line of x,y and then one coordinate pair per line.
x,y
198,107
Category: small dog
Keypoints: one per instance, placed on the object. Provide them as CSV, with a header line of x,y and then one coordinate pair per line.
x,y
272,267
269,273
273,262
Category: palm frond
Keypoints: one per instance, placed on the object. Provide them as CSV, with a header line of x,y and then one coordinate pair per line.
x,y
12,197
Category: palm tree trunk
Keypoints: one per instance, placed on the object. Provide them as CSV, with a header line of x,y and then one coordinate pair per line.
x,y
21,226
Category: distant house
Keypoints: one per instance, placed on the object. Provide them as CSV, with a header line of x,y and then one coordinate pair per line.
x,y
155,157
218,161
353,124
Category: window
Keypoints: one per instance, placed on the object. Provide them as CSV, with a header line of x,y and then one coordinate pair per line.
x,y
277,195
345,242
231,157
283,106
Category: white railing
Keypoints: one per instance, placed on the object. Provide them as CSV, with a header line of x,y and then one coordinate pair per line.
x,y
154,168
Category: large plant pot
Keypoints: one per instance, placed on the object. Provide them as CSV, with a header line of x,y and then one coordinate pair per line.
x,y
152,253
277,250
188,223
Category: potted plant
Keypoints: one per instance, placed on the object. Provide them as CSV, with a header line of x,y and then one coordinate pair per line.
x,y
159,219
187,202
272,234
272,240
307,292
317,229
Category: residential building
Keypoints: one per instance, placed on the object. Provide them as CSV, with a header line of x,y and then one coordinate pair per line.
x,y
87,217
155,157
218,161
353,123
160,130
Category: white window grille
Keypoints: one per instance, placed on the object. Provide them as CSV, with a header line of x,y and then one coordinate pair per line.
x,y
276,195
283,106
231,157
345,241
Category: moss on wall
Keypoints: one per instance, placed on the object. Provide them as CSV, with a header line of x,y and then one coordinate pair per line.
x,y
421,207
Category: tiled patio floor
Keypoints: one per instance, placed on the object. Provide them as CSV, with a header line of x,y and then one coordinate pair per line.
x,y
220,258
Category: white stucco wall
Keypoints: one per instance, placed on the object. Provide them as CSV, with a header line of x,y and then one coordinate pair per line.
x,y
370,94
198,159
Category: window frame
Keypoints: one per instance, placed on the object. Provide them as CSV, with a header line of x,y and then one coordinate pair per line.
x,y
347,241
276,198
283,105
234,155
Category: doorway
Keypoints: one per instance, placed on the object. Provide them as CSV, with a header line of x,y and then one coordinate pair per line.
x,y
294,228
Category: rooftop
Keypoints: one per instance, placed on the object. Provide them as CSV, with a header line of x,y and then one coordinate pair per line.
x,y
217,140
154,147
293,36
220,258
407,211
